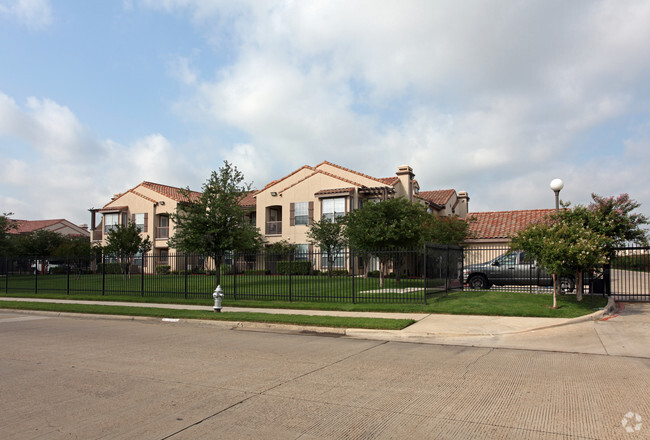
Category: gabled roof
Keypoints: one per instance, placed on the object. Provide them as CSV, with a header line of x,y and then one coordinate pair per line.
x,y
270,184
503,224
440,197
316,171
54,225
27,226
384,180
169,191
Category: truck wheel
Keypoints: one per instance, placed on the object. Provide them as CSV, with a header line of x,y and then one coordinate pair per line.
x,y
478,282
567,285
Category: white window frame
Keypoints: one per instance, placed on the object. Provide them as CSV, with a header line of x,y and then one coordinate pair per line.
x,y
301,213
333,208
111,221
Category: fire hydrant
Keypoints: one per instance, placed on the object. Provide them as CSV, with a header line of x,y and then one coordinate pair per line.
x,y
218,298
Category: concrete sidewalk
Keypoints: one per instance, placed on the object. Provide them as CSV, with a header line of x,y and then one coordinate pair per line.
x,y
608,332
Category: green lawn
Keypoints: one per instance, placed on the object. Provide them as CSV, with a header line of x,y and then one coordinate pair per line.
x,y
492,302
304,320
269,287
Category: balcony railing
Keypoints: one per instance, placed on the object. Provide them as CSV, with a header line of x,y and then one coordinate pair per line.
x,y
274,228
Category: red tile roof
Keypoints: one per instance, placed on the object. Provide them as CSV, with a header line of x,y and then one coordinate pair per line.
x,y
55,225
249,200
503,224
324,192
440,197
384,180
27,226
170,191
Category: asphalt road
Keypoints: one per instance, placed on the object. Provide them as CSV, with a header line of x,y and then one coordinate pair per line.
x,y
89,378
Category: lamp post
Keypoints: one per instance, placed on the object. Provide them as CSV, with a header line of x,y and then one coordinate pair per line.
x,y
556,186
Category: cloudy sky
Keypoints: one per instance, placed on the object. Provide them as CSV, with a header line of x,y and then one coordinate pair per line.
x,y
496,98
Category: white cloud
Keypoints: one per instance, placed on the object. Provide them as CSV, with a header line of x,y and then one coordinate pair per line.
x,y
73,170
35,14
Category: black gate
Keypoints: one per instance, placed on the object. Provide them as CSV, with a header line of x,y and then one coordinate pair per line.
x,y
628,276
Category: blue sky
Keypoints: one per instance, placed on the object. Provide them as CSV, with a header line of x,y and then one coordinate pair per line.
x,y
495,98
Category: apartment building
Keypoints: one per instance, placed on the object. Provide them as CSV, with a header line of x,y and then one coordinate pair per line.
x,y
283,209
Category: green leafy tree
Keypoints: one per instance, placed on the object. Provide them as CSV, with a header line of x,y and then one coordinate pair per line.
x,y
583,237
124,242
382,228
40,243
563,248
445,230
6,226
282,248
328,237
213,222
74,246
614,218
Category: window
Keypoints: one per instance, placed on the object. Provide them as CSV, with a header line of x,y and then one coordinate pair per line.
x,y
302,252
110,222
139,220
333,208
508,259
164,256
163,227
301,213
137,259
338,262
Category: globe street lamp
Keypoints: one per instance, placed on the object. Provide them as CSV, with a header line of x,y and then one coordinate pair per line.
x,y
556,186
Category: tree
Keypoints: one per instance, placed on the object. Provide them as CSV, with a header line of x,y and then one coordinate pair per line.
x,y
384,227
213,222
39,243
123,242
613,218
580,238
6,225
445,230
564,248
328,237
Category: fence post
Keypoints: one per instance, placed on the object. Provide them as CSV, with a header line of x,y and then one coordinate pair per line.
x,y
144,256
186,275
103,273
352,272
67,270
290,277
36,275
6,274
424,249
234,272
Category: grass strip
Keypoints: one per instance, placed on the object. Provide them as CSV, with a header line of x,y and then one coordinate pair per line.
x,y
469,302
318,321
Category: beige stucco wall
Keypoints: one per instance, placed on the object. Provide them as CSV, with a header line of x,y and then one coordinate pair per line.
x,y
150,204
301,192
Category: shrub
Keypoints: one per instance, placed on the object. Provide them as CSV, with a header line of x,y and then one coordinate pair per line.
x,y
335,272
293,267
225,269
163,269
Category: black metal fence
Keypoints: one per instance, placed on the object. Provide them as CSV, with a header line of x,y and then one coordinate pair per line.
x,y
627,278
404,276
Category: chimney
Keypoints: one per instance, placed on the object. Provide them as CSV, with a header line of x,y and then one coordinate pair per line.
x,y
463,204
405,174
